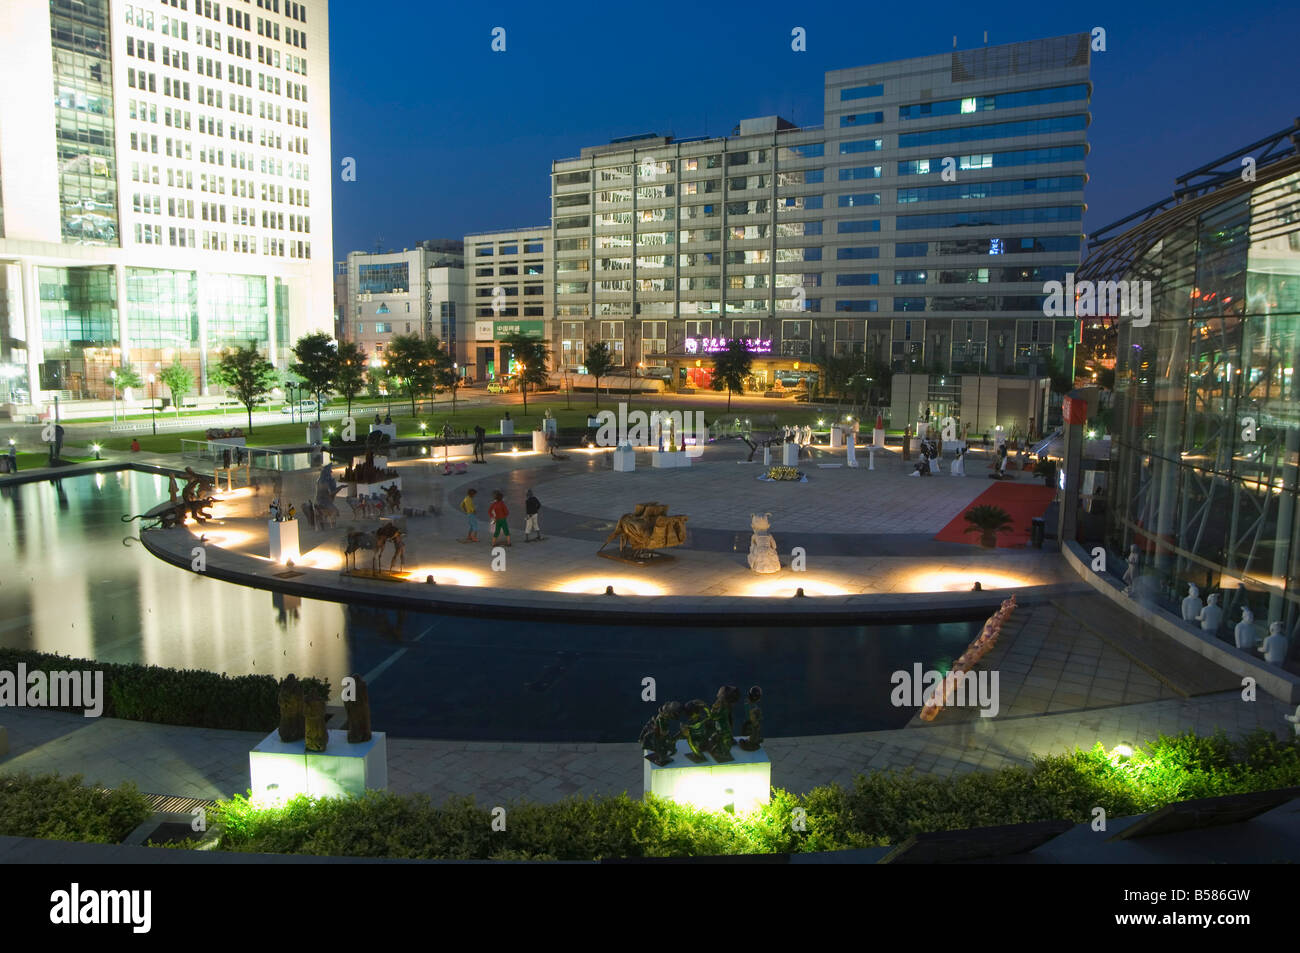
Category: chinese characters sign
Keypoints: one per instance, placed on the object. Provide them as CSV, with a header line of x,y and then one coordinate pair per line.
x,y
714,345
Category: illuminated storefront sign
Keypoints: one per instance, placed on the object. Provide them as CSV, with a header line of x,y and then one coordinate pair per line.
x,y
714,345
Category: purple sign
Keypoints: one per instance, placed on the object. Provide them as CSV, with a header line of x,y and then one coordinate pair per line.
x,y
714,345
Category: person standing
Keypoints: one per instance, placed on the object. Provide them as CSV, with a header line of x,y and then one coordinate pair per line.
x,y
533,511
471,514
479,435
498,515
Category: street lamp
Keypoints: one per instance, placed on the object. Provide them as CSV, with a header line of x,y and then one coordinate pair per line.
x,y
153,406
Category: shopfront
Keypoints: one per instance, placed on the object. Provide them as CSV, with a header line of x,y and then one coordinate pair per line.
x,y
493,356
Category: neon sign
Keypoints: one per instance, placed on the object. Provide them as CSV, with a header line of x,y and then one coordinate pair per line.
x,y
714,345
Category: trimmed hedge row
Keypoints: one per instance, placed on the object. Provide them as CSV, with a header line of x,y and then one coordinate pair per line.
x,y
878,809
62,808
168,696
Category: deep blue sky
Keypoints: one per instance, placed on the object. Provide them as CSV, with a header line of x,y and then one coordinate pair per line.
x,y
436,121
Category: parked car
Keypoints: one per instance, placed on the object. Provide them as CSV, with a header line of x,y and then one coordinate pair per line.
x,y
502,385
302,407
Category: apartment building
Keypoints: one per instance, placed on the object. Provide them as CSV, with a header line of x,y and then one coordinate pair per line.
x,y
915,228
165,180
510,293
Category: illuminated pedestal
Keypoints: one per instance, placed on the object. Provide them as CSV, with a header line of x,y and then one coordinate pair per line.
x,y
851,449
539,441
767,456
390,429
744,784
280,771
661,459
283,538
313,434
837,437
624,460
508,427
790,454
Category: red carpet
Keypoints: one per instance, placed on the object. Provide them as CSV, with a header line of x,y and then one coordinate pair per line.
x,y
1024,498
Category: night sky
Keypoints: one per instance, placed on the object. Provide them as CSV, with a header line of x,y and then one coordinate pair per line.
x,y
437,121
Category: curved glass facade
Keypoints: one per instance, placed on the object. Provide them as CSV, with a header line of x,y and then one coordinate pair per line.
x,y
1206,446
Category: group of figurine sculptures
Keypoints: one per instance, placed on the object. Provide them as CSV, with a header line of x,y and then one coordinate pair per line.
x,y
302,712
706,728
1246,634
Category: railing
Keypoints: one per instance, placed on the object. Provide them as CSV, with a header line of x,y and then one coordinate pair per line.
x,y
232,419
214,453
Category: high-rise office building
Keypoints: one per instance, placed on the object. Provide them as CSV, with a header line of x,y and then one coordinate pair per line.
x,y
164,187
915,228
510,292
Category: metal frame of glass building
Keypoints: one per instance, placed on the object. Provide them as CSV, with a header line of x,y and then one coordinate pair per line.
x,y
1206,448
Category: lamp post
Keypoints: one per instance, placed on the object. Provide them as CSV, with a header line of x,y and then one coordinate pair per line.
x,y
153,406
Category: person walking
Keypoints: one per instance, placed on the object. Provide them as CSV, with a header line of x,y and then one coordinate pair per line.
x,y
533,511
498,515
471,514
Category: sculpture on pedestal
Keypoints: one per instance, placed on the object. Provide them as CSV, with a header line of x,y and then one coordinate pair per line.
x,y
658,736
292,725
358,712
1246,633
696,728
1211,615
763,556
1192,604
314,696
1275,646
721,739
752,728
1130,574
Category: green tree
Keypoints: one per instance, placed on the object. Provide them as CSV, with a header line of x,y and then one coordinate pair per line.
x,y
532,356
124,377
350,378
179,380
838,370
412,361
731,367
317,365
247,376
599,362
448,375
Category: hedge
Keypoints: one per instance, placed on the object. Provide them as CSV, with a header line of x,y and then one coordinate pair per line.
x,y
62,808
878,809
168,696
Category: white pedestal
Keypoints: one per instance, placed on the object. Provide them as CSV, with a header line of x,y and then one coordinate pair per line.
x,y
767,456
390,429
624,460
313,434
281,771
837,436
539,441
742,785
373,489
507,426
789,454
851,450
665,460
550,426
871,457
922,428
878,438
283,538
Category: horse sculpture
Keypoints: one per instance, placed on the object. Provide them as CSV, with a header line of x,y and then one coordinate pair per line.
x,y
376,541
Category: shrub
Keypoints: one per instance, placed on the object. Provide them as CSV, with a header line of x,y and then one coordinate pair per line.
x,y
62,808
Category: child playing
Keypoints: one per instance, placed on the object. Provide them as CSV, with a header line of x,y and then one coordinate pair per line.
x,y
467,507
497,514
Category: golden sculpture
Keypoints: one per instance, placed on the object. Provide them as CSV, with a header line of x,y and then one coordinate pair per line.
x,y
645,529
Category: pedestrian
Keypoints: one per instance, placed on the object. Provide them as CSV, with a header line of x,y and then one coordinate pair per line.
x,y
135,445
13,458
479,435
471,513
498,515
533,511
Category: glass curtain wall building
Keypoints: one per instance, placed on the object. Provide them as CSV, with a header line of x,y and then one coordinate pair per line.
x,y
1207,412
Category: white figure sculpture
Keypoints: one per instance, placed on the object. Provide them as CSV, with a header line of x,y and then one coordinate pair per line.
x,y
1246,633
1130,574
958,467
1192,605
762,547
807,436
1275,646
1295,720
1211,615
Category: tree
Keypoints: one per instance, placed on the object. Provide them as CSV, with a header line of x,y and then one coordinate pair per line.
x,y
731,367
179,380
247,376
350,377
317,366
126,376
839,370
532,356
412,361
448,375
599,362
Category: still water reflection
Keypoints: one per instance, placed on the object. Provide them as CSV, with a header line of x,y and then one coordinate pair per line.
x,y
70,586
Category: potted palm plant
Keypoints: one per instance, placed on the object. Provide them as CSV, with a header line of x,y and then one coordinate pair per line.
x,y
988,521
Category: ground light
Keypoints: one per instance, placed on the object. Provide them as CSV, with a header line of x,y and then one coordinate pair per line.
x,y
445,576
789,588
959,581
599,585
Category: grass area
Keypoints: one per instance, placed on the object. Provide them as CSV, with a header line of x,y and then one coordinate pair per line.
x,y
30,461
878,809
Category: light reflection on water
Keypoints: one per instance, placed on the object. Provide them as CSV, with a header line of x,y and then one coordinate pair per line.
x,y
71,587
